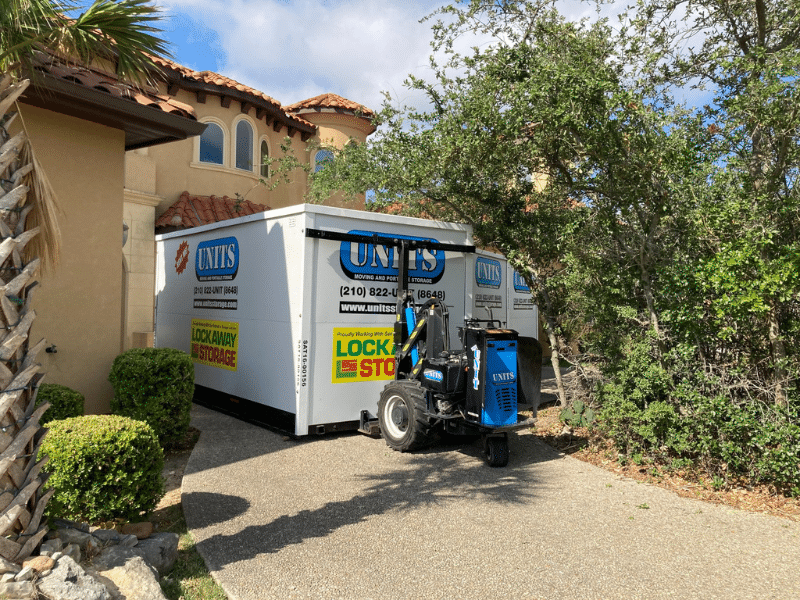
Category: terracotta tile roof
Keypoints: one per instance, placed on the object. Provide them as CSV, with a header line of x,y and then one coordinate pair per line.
x,y
215,79
193,211
109,84
212,78
330,101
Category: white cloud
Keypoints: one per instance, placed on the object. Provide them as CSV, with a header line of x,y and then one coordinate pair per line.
x,y
293,50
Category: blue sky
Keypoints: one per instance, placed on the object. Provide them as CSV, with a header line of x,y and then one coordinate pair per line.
x,y
296,49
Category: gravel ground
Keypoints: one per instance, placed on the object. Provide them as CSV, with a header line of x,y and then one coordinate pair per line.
x,y
343,516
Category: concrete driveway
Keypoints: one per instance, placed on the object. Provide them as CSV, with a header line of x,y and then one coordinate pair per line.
x,y
343,516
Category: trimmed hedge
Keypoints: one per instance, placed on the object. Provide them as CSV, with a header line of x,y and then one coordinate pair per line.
x,y
154,385
64,402
102,467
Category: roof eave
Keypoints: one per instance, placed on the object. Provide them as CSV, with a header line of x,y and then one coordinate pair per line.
x,y
143,125
276,112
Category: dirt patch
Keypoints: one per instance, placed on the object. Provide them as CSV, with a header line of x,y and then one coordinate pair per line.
x,y
175,460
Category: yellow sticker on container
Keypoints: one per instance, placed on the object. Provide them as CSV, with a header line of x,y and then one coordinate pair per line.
x,y
362,354
215,343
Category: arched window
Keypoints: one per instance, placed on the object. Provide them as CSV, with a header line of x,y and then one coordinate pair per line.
x,y
244,146
212,144
264,159
322,158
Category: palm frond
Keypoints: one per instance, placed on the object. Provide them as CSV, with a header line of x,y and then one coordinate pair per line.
x,y
121,31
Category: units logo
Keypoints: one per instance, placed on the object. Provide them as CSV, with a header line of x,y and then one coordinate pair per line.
x,y
507,377
520,285
433,375
488,272
370,262
182,257
217,260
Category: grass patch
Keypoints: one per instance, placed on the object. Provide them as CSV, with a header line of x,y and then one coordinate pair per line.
x,y
189,578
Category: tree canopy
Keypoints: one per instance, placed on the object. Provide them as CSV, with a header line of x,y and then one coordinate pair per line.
x,y
659,235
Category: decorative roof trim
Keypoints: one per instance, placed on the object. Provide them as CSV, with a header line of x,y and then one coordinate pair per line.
x,y
203,83
144,124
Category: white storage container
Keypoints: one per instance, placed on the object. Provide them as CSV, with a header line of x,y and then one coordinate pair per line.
x,y
293,331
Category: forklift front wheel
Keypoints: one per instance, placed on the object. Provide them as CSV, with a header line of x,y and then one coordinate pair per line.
x,y
496,450
401,414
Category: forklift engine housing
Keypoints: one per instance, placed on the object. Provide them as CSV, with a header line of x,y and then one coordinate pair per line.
x,y
491,385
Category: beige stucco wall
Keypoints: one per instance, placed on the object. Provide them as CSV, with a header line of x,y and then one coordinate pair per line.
x,y
79,304
177,168
335,130
139,252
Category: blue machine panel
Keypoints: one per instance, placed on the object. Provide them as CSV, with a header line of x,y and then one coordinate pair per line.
x,y
500,390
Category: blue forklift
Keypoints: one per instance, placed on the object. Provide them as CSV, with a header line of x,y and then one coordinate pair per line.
x,y
471,391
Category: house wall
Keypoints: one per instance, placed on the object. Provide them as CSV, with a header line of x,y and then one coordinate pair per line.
x,y
177,168
79,303
335,130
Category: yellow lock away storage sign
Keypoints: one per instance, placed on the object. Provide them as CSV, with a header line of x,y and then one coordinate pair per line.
x,y
362,354
215,343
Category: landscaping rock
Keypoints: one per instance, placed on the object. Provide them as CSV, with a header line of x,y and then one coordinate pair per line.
x,y
40,564
51,546
21,590
6,566
159,550
73,551
87,543
140,530
68,581
133,580
121,567
107,536
113,556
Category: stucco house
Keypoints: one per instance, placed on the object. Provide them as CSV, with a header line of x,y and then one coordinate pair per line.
x,y
217,175
80,123
189,149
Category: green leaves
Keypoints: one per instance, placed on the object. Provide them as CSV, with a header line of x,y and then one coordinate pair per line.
x,y
122,32
102,467
659,238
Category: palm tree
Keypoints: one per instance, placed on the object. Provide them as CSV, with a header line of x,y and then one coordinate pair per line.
x,y
118,32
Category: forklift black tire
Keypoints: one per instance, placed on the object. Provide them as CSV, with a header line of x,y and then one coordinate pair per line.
x,y
496,450
401,415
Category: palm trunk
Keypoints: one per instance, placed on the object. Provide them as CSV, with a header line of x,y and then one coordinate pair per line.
x,y
22,495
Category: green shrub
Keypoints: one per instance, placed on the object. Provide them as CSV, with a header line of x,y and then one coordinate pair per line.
x,y
64,402
578,414
103,467
690,417
154,385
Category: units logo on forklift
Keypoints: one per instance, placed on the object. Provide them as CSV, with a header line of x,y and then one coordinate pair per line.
x,y
503,377
217,260
488,272
371,262
476,367
433,375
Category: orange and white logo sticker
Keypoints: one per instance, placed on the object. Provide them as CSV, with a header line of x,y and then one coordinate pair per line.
x,y
182,258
